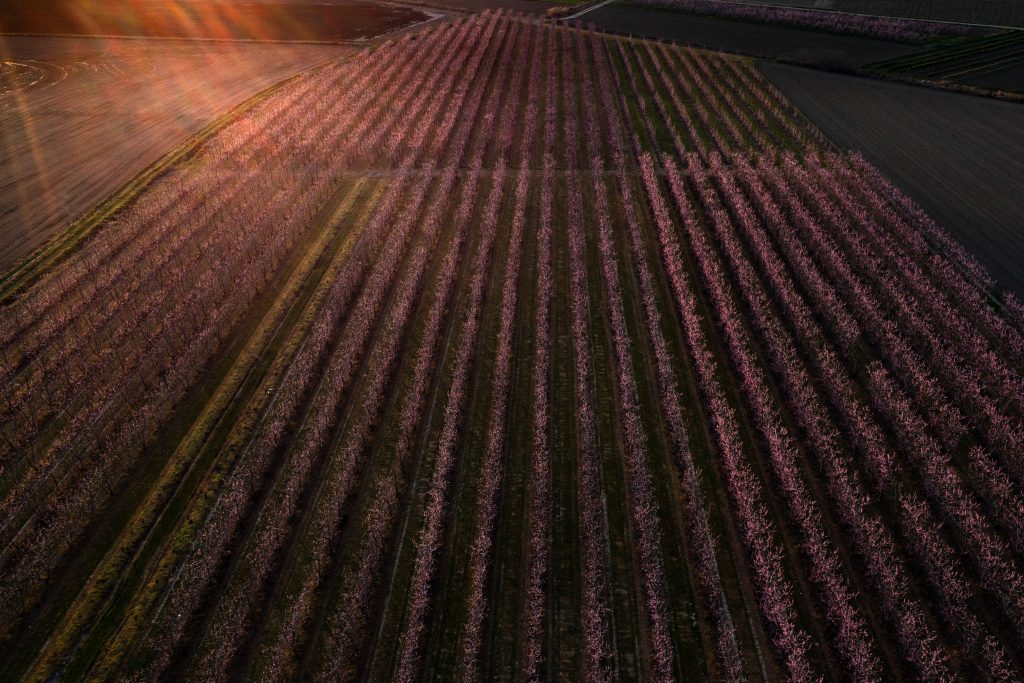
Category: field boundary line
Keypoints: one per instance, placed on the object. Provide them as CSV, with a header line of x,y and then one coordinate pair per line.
x,y
588,9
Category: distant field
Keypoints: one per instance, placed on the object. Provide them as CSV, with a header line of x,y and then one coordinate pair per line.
x,y
81,116
761,40
961,157
1000,12
346,20
995,61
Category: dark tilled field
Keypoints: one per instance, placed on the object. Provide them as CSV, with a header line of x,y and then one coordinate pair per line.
x,y
1009,77
961,157
995,61
1000,12
230,21
1003,12
773,42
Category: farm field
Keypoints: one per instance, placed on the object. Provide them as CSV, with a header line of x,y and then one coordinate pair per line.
x,y
262,21
535,7
511,350
759,40
900,29
997,12
995,62
958,155
66,103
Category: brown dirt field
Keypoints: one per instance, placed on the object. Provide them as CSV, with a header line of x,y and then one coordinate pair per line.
x,y
79,117
960,157
273,21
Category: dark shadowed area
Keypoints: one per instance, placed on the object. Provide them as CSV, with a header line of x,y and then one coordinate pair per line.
x,y
960,156
760,40
1004,12
993,61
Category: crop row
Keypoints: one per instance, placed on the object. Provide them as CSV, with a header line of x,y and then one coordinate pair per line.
x,y
790,406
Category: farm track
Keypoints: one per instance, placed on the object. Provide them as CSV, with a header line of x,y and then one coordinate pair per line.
x,y
579,357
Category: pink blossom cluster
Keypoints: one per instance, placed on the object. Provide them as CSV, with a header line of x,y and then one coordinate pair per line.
x,y
853,638
345,311
431,532
944,483
643,506
76,472
843,483
494,453
328,512
944,332
539,513
232,616
194,246
348,619
274,659
704,543
591,496
775,590
935,555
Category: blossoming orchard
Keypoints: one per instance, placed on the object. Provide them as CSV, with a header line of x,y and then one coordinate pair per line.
x,y
512,350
